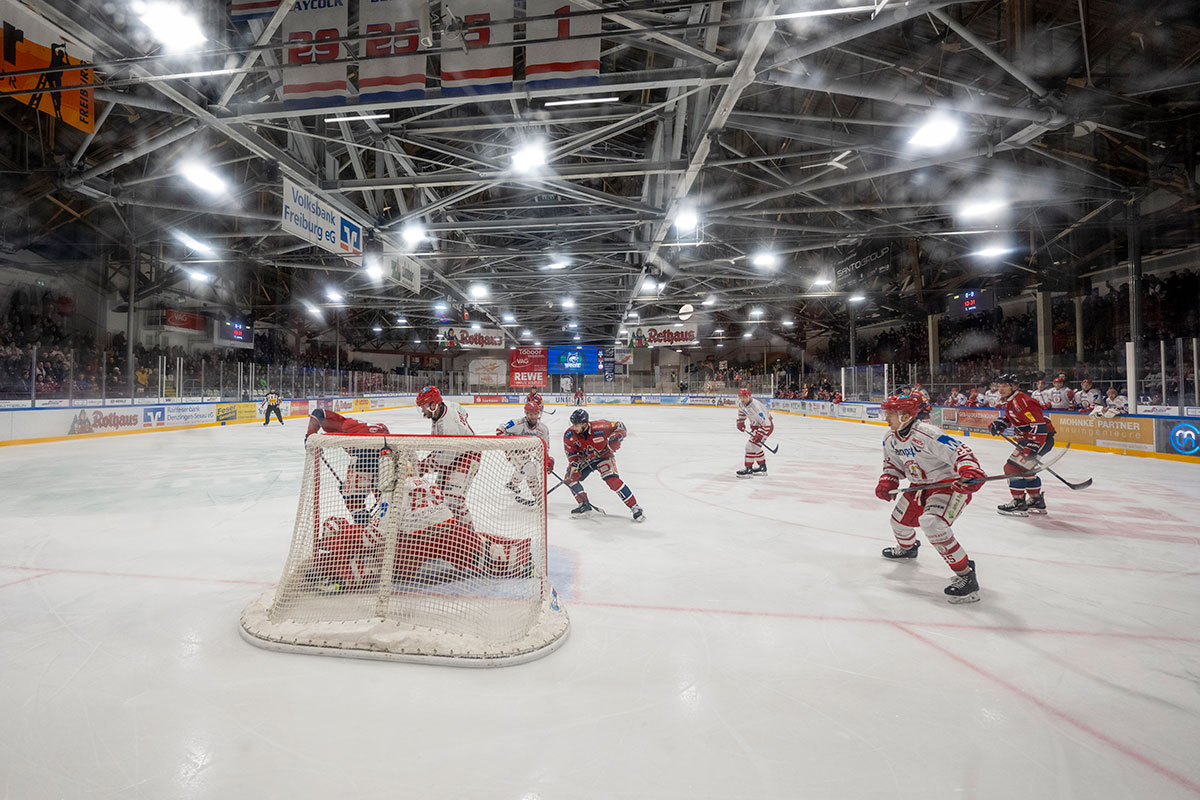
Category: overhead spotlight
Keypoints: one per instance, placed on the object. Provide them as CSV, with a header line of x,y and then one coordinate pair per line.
x,y
581,101
938,130
787,323
171,25
416,341
747,335
623,332
568,303
509,318
439,307
194,244
377,329
402,320
413,233
478,291
576,337
756,312
993,251
822,282
358,118
203,177
197,275
475,326
978,209
765,260
710,300
557,265
525,334
529,157
572,324
718,330
686,220
631,315
858,298
334,295
537,344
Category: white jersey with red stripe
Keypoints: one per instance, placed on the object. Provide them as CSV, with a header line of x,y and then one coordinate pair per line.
x,y
521,427
452,422
929,454
756,415
1058,397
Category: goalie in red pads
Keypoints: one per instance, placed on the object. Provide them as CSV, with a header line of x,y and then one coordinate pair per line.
x,y
348,556
753,414
924,453
590,447
333,422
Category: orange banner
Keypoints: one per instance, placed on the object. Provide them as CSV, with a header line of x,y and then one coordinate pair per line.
x,y
29,43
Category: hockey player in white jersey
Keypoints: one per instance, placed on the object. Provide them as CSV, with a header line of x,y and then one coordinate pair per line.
x,y
455,469
1088,396
1058,396
924,453
527,470
755,419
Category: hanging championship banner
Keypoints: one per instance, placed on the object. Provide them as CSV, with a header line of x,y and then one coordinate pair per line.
x,y
477,65
307,216
562,63
245,10
390,66
315,77
31,43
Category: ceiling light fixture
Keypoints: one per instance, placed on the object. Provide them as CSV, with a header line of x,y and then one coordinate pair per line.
x,y
765,260
581,101
194,244
334,295
529,157
203,177
478,291
360,118
177,30
413,234
938,130
686,220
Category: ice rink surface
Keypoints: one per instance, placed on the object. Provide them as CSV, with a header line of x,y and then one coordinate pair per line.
x,y
747,641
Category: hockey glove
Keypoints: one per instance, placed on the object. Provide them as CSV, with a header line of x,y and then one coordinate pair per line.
x,y
998,425
614,443
742,424
549,463
971,479
886,488
1029,449
573,475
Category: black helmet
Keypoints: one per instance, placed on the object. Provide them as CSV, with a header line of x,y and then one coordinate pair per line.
x,y
1009,378
579,415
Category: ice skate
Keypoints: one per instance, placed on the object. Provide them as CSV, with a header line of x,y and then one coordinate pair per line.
x,y
965,588
1016,508
900,552
1036,504
746,473
582,511
760,469
525,501
638,514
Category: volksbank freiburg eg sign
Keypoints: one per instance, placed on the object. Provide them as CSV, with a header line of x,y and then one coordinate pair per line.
x,y
314,221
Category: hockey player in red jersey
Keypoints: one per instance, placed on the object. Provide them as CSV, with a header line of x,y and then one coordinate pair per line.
x,y
456,469
754,415
924,453
535,397
348,556
333,422
1034,437
590,447
579,397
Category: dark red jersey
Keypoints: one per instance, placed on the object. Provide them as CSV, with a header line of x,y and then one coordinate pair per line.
x,y
1026,416
601,439
333,422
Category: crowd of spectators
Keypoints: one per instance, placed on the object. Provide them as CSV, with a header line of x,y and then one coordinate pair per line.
x,y
42,350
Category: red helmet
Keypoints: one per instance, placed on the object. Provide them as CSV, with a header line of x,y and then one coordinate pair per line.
x,y
532,408
429,396
906,405
744,394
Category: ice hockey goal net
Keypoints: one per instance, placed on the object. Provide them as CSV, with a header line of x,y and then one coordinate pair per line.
x,y
416,548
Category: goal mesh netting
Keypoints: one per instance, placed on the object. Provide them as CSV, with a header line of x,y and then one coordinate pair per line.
x,y
416,548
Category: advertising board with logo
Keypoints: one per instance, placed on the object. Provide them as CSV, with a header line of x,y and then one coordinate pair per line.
x,y
528,368
1179,437
487,372
659,335
973,420
607,399
645,399
343,405
226,412
851,411
482,399
189,414
674,400
1118,433
154,416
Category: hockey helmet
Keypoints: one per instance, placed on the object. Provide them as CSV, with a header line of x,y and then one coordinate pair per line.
x,y
579,416
429,396
905,404
1059,379
1008,378
533,409
1086,382
744,396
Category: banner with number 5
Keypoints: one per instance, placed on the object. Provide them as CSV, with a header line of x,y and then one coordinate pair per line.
x,y
480,63
566,62
315,76
391,66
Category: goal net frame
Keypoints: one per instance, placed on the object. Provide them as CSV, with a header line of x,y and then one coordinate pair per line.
x,y
469,580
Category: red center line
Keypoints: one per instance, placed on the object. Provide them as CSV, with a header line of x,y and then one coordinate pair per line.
x,y
22,580
884,621
1115,744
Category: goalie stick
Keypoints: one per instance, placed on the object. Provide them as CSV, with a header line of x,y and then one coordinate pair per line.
x,y
920,487
1045,466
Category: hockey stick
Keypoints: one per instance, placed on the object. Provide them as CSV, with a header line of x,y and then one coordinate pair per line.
x,y
920,487
1042,464
768,447
561,481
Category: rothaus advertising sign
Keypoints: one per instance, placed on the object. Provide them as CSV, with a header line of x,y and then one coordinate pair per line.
x,y
671,335
313,220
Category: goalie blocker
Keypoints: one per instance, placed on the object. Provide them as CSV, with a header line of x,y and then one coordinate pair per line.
x,y
470,592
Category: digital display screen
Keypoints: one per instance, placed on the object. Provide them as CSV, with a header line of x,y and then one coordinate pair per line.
x,y
971,302
234,333
584,359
